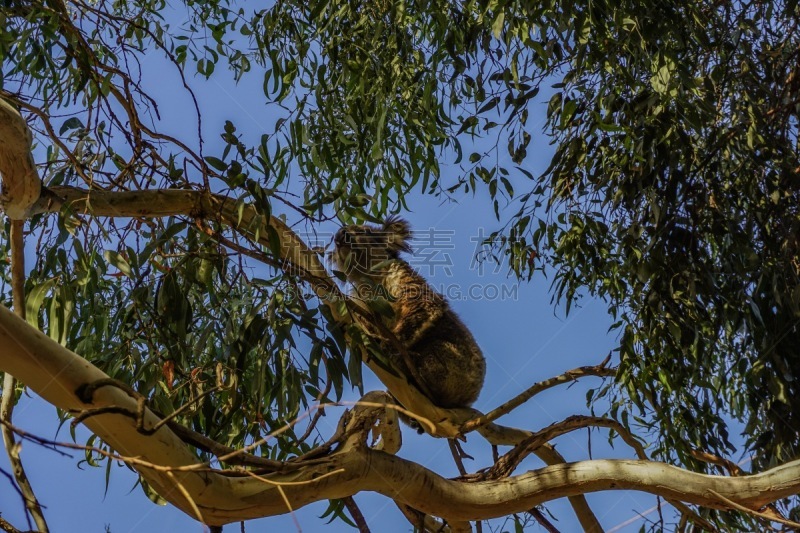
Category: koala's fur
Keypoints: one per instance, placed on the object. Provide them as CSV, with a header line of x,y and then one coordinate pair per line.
x,y
448,360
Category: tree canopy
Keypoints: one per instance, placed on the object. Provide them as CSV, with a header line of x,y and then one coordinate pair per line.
x,y
673,195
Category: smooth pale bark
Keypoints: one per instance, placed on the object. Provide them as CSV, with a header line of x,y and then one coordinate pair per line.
x,y
21,186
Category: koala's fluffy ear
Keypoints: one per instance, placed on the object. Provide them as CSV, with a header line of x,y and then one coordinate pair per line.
x,y
398,232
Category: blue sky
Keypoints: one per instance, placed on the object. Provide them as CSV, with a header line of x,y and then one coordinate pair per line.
x,y
524,337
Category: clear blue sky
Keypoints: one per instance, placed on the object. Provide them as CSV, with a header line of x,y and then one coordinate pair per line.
x,y
525,340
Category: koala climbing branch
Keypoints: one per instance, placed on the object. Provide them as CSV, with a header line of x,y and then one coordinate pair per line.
x,y
421,336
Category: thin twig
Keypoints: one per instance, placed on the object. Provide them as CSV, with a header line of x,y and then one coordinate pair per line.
x,y
769,517
456,452
543,521
7,527
355,512
571,375
509,462
725,464
420,521
187,496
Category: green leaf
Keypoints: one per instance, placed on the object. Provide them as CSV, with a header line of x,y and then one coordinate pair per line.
x,y
497,25
151,494
35,299
117,261
72,123
216,163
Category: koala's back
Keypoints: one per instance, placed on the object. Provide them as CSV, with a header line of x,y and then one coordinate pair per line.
x,y
449,362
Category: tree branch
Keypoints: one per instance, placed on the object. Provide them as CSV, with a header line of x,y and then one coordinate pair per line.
x,y
355,512
8,399
589,522
7,527
566,377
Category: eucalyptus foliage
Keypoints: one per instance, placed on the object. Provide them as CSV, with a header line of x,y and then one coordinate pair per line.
x,y
672,194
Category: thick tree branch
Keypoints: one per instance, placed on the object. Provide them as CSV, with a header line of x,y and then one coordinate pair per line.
x,y
56,373
589,522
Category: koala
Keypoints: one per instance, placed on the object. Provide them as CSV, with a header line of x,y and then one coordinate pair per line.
x,y
448,361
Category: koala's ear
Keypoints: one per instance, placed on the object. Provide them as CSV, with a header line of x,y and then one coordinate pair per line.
x,y
398,233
